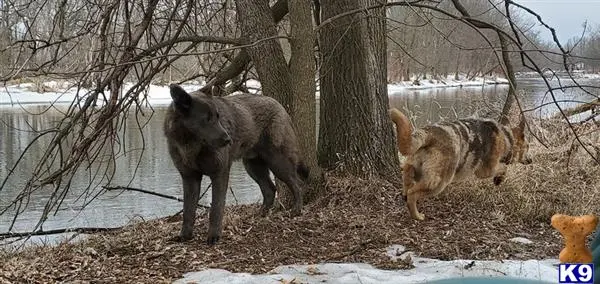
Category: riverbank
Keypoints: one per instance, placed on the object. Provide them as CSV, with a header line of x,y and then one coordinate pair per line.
x,y
449,81
578,74
356,221
63,92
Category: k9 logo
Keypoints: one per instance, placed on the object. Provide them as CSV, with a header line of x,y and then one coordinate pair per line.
x,y
576,273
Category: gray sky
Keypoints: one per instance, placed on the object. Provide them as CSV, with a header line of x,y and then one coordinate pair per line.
x,y
565,16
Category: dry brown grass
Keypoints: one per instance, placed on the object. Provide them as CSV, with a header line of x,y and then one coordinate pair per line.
x,y
355,221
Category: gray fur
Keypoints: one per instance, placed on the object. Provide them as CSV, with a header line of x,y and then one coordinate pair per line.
x,y
205,134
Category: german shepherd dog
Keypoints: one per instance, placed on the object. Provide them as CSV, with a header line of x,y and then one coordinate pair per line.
x,y
439,154
205,134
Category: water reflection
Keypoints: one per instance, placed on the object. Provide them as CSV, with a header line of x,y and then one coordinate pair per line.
x,y
432,105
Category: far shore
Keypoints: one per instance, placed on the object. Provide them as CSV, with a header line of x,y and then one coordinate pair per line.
x,y
64,92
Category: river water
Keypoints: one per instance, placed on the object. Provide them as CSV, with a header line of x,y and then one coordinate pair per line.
x,y
154,171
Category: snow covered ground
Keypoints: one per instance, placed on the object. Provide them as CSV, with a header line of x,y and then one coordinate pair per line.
x,y
563,75
447,82
65,93
425,271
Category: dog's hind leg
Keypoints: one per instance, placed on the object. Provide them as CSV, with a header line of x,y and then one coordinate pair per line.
x,y
220,183
412,191
284,169
411,200
259,172
422,190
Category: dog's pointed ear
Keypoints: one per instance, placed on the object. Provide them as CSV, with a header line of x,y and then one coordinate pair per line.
x,y
181,99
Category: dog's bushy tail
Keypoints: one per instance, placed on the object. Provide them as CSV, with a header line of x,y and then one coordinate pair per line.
x,y
302,171
403,131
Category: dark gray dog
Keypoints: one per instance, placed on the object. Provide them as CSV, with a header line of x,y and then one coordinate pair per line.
x,y
205,134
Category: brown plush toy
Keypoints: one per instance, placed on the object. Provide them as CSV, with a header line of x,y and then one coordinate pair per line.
x,y
575,230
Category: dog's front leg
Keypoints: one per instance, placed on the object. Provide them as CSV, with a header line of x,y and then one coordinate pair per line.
x,y
500,173
220,183
191,192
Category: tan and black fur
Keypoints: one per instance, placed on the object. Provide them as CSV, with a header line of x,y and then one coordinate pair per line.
x,y
438,154
205,134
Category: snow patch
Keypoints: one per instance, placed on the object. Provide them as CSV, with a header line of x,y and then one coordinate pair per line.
x,y
399,252
64,93
521,240
448,81
425,270
578,74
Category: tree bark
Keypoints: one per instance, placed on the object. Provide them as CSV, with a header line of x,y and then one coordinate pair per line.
x,y
355,132
240,61
256,23
303,70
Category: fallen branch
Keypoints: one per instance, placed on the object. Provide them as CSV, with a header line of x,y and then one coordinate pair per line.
x,y
580,108
84,230
153,193
593,116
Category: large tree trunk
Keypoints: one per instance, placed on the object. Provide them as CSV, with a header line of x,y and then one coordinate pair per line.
x,y
355,130
256,23
303,70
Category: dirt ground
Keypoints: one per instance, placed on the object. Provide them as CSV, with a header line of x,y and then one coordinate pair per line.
x,y
355,221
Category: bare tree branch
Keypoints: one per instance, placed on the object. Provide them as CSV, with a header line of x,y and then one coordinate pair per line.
x,y
80,230
239,63
109,188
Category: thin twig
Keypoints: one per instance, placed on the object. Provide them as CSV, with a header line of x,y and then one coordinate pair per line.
x,y
82,230
109,188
